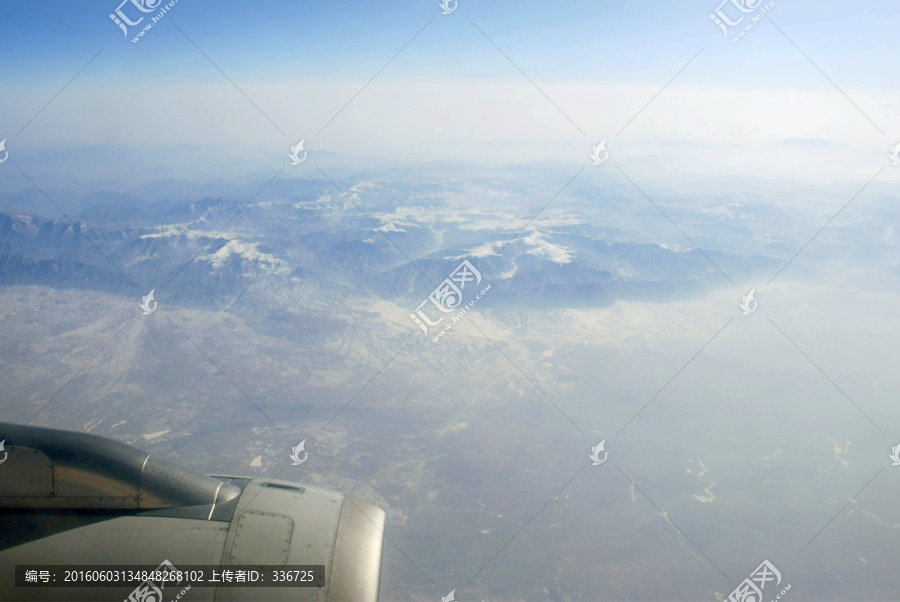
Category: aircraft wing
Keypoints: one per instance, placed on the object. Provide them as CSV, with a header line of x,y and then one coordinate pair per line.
x,y
71,498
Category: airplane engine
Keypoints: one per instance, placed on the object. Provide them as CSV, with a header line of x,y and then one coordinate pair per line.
x,y
73,499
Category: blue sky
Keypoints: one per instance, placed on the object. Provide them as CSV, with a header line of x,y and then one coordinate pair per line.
x,y
560,41
300,62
